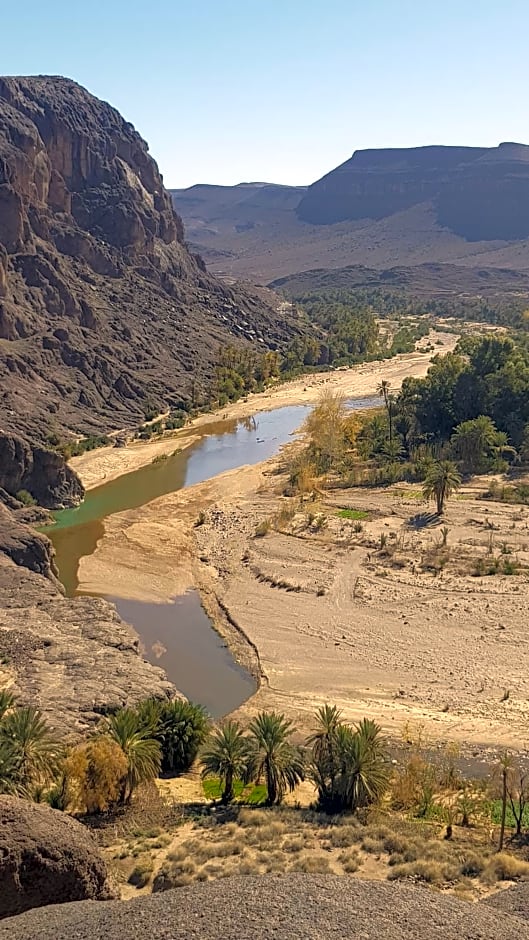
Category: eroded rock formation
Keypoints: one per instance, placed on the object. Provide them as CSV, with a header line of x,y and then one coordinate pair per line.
x,y
102,306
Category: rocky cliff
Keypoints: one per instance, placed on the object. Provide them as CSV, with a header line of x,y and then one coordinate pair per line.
x,y
41,472
102,306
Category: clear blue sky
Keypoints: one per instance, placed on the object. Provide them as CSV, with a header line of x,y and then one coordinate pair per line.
x,y
284,90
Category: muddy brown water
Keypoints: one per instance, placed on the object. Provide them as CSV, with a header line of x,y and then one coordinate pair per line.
x,y
179,636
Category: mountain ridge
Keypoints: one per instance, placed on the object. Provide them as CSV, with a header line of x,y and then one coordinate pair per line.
x,y
382,208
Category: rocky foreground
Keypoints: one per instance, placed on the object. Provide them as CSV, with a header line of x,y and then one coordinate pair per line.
x,y
289,907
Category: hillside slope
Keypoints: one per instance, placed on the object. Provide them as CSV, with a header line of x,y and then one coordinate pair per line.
x,y
381,208
102,306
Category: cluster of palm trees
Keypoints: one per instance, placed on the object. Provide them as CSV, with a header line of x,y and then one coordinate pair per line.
x,y
347,764
130,747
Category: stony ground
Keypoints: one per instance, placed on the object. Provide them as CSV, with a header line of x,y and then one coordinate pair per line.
x,y
292,907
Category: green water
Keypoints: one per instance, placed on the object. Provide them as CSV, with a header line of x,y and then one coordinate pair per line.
x,y
179,636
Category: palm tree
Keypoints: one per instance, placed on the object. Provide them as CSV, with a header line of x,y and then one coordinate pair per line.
x,y
383,392
142,750
9,780
226,756
366,769
273,757
442,479
7,702
29,744
324,749
357,774
182,729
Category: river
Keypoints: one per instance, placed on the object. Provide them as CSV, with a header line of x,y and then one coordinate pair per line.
x,y
178,636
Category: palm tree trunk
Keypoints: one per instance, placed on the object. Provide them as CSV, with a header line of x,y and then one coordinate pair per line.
x,y
503,808
227,795
270,784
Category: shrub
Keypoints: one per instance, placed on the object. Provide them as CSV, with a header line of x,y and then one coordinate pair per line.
x,y
96,771
25,498
141,874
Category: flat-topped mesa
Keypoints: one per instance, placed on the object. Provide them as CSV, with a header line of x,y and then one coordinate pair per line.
x,y
480,193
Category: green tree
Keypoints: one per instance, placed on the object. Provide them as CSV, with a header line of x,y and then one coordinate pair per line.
x,y
31,752
325,427
140,747
477,444
350,770
273,756
442,479
226,755
182,729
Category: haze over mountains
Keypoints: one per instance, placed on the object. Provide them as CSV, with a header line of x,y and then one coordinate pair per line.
x,y
381,208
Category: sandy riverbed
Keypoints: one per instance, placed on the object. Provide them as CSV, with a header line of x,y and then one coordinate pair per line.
x,y
107,463
332,617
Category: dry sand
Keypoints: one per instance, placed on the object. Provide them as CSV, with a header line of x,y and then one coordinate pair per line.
x,y
332,617
107,463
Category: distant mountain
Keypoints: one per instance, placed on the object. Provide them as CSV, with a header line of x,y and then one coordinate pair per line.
x,y
381,208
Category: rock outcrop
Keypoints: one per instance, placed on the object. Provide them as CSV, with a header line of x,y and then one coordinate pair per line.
x,y
46,857
103,310
26,547
42,473
72,657
283,907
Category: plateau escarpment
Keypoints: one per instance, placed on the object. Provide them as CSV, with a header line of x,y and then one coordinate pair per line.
x,y
102,307
381,208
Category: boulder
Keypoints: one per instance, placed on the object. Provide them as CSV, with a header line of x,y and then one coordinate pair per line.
x,y
46,858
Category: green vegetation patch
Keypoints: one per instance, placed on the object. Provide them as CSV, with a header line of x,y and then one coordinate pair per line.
x,y
353,514
243,793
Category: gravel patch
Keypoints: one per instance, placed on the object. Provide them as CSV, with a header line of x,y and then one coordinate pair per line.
x,y
288,907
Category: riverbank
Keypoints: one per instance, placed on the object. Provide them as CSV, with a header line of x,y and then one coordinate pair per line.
x,y
100,466
330,617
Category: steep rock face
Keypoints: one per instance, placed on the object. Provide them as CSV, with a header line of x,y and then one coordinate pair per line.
x,y
26,547
46,857
478,193
102,307
41,472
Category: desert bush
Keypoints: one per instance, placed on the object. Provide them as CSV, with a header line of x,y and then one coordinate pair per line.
x,y
427,870
505,867
263,528
141,874
96,771
312,865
